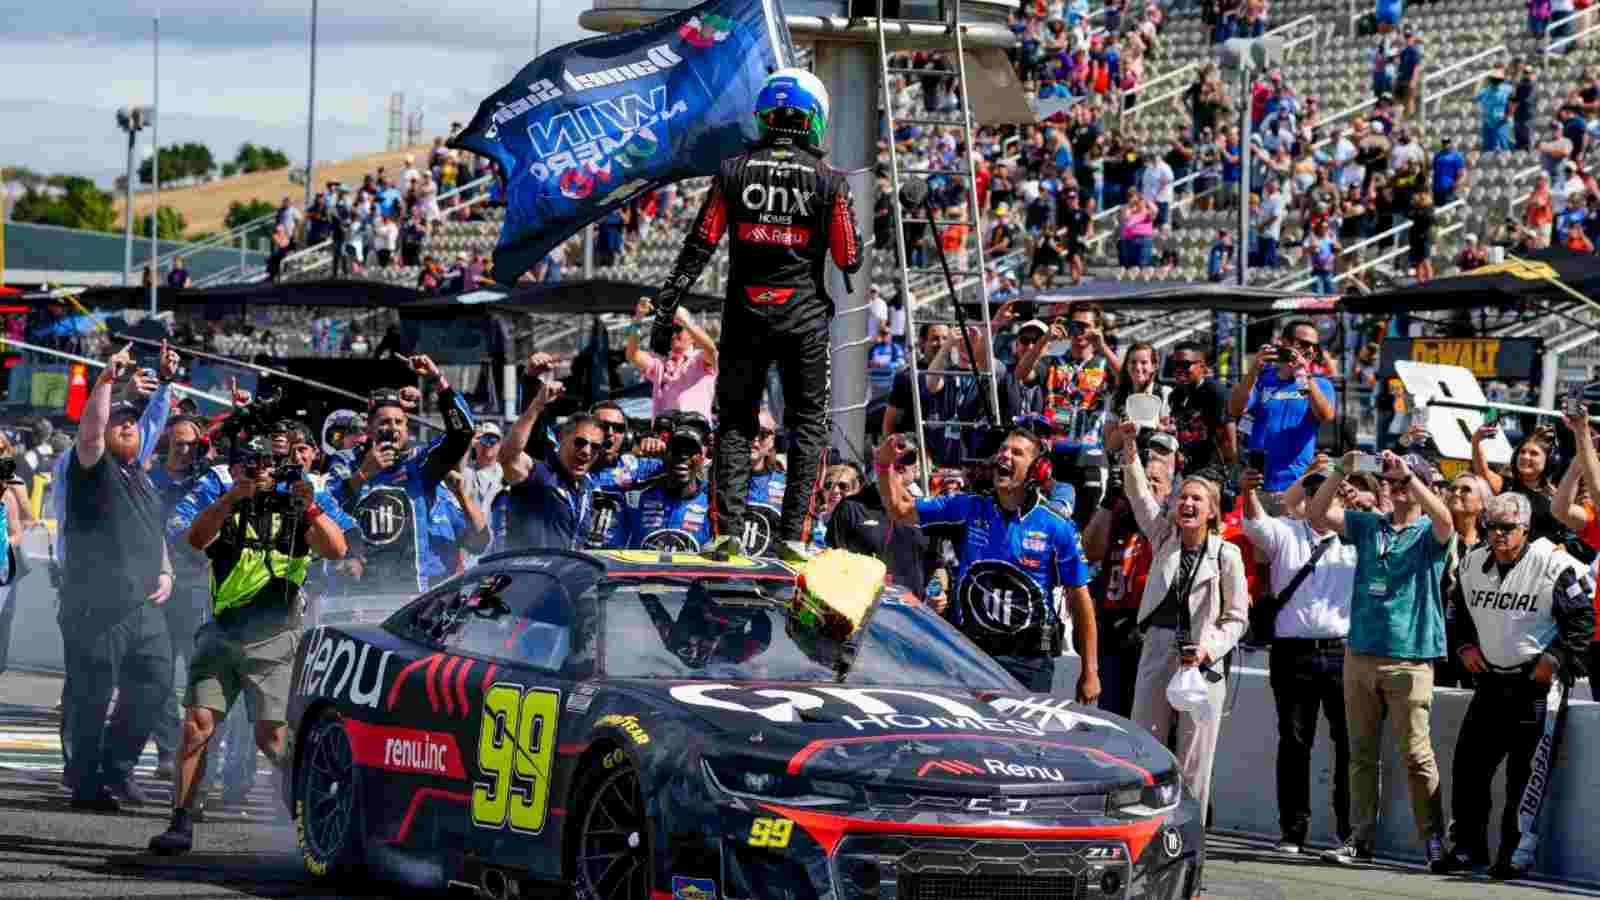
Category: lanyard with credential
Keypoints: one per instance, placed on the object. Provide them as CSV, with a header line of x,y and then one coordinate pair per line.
x,y
1185,634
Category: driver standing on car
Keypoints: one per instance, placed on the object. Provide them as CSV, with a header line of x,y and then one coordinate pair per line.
x,y
1018,547
786,212
259,541
391,492
671,510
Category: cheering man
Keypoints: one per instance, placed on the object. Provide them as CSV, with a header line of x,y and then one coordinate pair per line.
x,y
788,211
1016,549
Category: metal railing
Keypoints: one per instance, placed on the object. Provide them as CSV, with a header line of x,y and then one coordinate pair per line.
x,y
1430,77
1145,86
1117,210
236,234
1380,259
1552,42
1289,282
296,263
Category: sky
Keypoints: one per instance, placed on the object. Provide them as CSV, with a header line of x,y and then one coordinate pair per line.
x,y
231,74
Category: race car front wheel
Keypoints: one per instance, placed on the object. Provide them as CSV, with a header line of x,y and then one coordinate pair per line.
x,y
612,859
327,808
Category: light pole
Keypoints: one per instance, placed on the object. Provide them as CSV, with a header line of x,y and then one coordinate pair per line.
x,y
155,171
132,120
1246,56
311,112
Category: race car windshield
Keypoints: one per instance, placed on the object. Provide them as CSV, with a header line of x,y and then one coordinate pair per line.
x,y
685,630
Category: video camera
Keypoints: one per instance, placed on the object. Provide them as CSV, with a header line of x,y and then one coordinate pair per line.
x,y
256,418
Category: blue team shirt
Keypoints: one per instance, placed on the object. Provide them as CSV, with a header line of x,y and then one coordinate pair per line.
x,y
767,488
650,508
1042,542
1284,426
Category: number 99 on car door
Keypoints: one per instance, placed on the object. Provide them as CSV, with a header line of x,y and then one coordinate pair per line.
x,y
516,743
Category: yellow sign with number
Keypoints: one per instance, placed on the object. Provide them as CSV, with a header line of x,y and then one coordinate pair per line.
x,y
516,743
774,833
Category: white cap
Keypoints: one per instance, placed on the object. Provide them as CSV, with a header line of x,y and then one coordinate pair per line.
x,y
489,428
1472,238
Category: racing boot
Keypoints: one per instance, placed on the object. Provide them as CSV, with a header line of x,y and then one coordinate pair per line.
x,y
178,838
723,548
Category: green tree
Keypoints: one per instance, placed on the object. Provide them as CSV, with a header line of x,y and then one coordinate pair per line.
x,y
251,158
180,162
68,201
230,169
170,225
240,213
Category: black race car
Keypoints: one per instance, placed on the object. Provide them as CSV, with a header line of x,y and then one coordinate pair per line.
x,y
627,725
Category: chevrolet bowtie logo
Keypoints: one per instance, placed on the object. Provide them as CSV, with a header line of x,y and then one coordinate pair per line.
x,y
949,767
997,806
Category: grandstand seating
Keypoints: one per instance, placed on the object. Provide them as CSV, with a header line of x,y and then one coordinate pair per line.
x,y
1326,60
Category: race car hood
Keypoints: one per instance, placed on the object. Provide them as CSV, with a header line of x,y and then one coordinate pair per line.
x,y
954,741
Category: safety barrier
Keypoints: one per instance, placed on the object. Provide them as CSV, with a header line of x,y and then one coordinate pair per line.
x,y
1244,797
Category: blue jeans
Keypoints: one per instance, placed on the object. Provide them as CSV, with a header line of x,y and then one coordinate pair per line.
x,y
1269,252
1134,252
1496,137
1537,25
1323,282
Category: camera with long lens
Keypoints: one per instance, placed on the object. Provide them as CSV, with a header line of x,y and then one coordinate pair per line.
x,y
258,417
254,455
8,469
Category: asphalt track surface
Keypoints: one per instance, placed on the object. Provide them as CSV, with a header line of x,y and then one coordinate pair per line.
x,y
48,851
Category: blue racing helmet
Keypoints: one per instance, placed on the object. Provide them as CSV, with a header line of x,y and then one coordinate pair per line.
x,y
793,102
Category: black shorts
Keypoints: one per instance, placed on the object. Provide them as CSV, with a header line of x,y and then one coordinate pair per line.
x,y
1076,249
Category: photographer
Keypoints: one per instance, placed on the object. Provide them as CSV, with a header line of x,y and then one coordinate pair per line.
x,y
1396,633
391,493
189,499
259,537
1281,406
1075,386
117,574
1306,620
1016,547
1524,608
676,501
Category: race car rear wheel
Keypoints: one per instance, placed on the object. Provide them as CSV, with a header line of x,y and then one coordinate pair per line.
x,y
612,860
327,808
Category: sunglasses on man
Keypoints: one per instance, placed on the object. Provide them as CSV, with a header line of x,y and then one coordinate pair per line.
x,y
488,440
1506,527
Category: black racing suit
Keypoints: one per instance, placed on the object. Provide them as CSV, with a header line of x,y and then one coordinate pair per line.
x,y
786,210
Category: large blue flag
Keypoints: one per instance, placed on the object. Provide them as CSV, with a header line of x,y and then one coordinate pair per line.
x,y
587,127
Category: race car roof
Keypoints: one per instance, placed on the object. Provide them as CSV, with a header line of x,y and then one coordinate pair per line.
x,y
652,562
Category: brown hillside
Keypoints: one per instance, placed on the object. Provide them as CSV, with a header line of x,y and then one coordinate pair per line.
x,y
204,206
